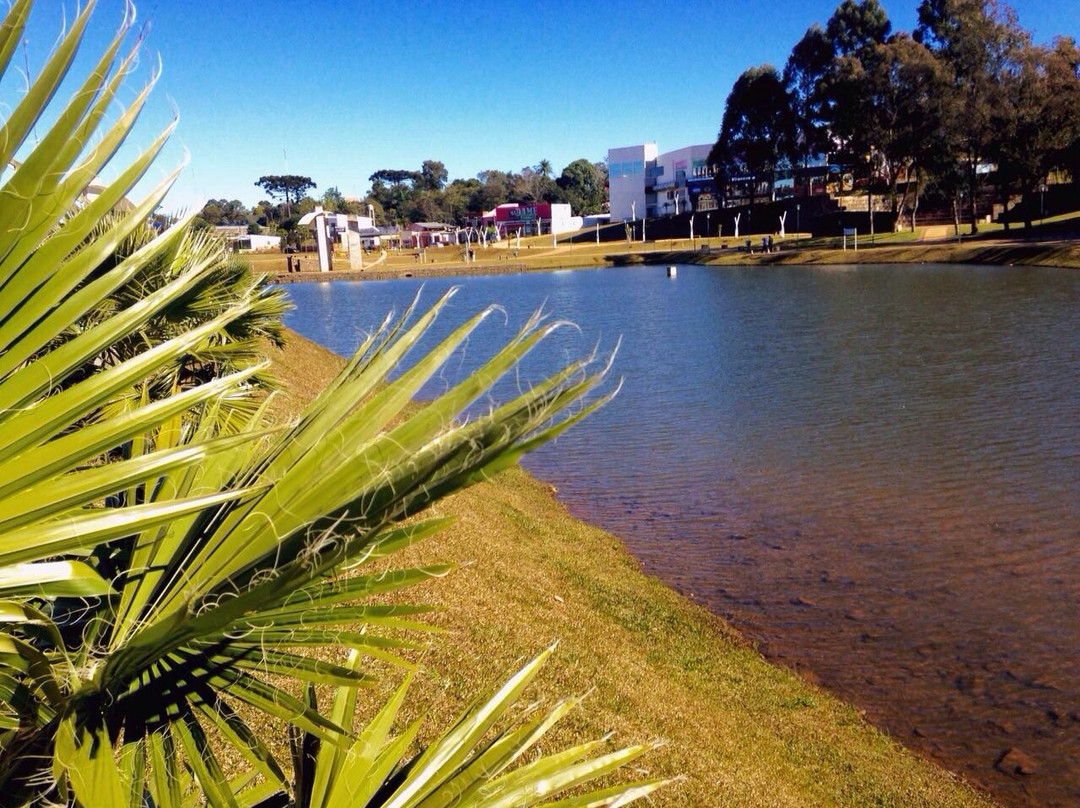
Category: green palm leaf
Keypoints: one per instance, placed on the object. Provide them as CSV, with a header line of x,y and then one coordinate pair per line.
x,y
167,563
463,767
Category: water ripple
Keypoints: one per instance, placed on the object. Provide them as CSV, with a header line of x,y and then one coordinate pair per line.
x,y
875,473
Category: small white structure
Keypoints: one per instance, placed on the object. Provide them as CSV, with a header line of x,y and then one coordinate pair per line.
x,y
253,242
672,271
332,228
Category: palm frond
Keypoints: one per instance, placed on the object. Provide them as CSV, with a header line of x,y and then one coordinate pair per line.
x,y
168,563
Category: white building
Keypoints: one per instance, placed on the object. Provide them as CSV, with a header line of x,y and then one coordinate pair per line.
x,y
631,177
645,183
255,241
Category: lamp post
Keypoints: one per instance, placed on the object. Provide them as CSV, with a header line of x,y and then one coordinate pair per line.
x,y
870,190
798,228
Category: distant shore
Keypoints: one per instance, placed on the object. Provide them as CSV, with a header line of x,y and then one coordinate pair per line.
x,y
391,274
1058,252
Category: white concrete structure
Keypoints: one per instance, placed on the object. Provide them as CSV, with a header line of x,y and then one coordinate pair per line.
x,y
645,183
563,220
631,173
255,241
332,228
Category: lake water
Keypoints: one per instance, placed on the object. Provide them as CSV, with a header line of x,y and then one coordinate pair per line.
x,y
874,472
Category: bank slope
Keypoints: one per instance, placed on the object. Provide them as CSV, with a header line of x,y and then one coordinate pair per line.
x,y
741,732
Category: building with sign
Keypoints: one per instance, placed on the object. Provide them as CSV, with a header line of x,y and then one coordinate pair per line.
x,y
532,218
645,183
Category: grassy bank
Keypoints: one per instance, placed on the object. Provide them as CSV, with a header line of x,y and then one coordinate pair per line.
x,y
996,252
1053,243
742,732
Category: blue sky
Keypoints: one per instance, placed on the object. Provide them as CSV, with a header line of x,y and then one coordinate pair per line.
x,y
335,89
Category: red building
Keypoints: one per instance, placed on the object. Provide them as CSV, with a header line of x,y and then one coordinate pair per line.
x,y
531,217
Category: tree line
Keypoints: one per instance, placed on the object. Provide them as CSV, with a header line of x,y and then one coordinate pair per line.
x,y
917,114
400,196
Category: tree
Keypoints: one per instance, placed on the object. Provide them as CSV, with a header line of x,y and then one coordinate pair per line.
x,y
856,27
225,212
1064,108
394,176
265,213
212,213
976,40
602,173
378,214
332,199
289,187
855,31
433,176
457,197
805,76
496,188
757,123
165,555
531,185
428,207
1036,120
905,95
582,187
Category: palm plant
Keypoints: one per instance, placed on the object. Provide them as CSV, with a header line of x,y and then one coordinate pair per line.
x,y
168,564
228,282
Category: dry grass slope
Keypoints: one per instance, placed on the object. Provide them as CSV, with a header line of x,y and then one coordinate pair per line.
x,y
740,731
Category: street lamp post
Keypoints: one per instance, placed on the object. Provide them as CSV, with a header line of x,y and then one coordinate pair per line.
x,y
798,227
870,190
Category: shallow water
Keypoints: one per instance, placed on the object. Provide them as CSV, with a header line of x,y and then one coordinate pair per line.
x,y
875,473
